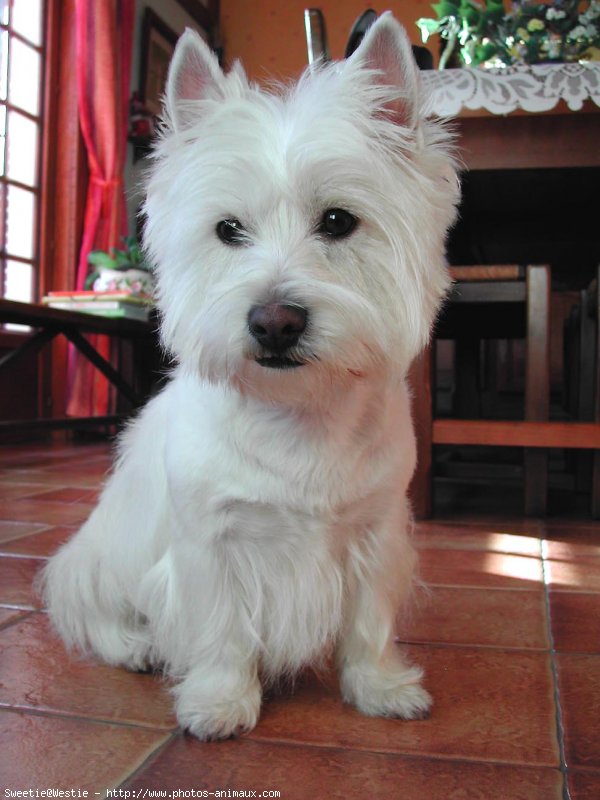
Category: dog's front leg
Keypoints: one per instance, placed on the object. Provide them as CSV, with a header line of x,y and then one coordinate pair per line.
x,y
220,693
205,634
374,676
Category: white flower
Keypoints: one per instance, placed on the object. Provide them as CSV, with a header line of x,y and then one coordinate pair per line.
x,y
578,32
554,13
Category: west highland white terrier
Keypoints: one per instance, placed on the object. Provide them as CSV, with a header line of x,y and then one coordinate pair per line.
x,y
257,515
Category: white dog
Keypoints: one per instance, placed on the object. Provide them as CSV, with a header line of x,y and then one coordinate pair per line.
x,y
257,515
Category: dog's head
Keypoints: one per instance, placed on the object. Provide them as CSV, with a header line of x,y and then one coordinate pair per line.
x,y
299,234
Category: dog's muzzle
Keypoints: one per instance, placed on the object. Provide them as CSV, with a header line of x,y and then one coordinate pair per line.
x,y
277,328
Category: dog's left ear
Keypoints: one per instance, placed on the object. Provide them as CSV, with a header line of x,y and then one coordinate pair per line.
x,y
194,74
387,49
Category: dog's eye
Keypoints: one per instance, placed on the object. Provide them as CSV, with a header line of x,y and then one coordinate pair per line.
x,y
337,223
230,231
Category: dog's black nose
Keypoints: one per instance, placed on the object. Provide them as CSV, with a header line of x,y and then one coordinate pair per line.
x,y
277,327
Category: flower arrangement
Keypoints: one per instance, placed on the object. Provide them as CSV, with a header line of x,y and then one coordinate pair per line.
x,y
531,33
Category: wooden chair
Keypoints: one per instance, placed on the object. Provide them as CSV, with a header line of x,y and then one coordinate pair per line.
x,y
491,302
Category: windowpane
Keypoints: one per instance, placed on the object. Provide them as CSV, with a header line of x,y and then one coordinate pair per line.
x,y
4,11
2,138
22,149
19,281
3,64
24,83
20,216
27,19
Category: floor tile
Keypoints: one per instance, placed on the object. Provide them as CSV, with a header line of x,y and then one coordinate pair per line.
x,y
491,522
469,537
85,477
584,785
48,453
81,471
575,575
575,620
447,567
572,539
302,772
12,491
16,577
40,545
489,705
46,512
36,672
579,684
14,530
66,495
573,548
58,753
491,617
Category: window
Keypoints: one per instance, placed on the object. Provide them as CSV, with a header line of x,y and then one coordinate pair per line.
x,y
21,98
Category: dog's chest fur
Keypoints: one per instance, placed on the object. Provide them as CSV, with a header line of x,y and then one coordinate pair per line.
x,y
222,449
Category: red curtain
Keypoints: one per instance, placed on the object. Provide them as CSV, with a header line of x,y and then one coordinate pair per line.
x,y
104,47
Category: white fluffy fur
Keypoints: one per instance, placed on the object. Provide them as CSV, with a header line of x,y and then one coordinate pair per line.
x,y
257,518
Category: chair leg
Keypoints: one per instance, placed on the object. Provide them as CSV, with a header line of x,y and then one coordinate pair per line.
x,y
421,381
595,490
537,385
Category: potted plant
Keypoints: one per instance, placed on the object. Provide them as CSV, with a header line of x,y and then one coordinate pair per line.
x,y
120,269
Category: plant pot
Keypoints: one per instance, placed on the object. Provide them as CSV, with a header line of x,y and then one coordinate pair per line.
x,y
131,280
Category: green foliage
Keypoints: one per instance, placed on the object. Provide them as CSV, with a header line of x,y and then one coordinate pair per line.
x,y
532,32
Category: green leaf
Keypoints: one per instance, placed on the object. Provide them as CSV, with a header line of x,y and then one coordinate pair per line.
x,y
99,258
470,12
122,259
445,8
484,52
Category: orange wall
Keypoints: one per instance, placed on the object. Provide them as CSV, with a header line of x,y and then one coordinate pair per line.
x,y
268,36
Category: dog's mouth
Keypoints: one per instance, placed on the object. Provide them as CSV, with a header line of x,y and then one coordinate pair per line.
x,y
279,362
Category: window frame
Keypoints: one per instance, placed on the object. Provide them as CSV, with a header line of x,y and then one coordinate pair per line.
x,y
5,181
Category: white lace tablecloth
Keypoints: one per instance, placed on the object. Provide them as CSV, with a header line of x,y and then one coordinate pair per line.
x,y
501,90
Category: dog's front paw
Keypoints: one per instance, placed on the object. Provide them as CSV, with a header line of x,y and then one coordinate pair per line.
x,y
386,693
210,716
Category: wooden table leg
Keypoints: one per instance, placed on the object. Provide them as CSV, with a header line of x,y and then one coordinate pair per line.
x,y
420,380
537,384
595,488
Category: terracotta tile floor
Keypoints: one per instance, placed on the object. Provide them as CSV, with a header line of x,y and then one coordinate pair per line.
x,y
508,633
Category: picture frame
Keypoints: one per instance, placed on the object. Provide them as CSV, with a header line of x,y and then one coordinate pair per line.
x,y
157,47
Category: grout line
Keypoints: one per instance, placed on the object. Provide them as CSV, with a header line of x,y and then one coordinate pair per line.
x,y
560,730
141,768
25,613
29,556
510,648
64,714
416,755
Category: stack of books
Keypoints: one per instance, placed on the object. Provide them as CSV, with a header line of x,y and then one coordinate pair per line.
x,y
119,304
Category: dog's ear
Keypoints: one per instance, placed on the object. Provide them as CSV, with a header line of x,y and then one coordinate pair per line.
x,y
194,74
387,49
